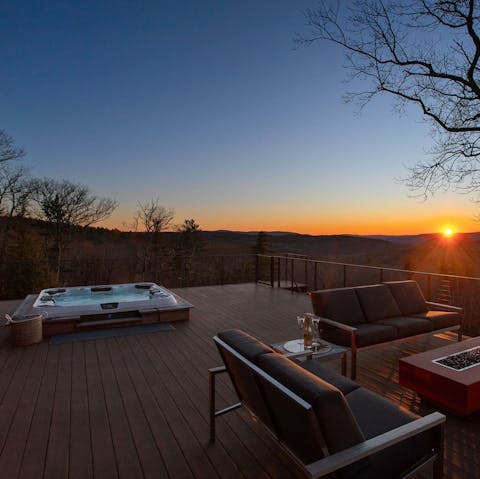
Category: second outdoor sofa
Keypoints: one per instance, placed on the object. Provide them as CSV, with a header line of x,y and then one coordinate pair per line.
x,y
375,315
331,425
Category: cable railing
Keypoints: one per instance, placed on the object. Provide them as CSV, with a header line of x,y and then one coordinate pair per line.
x,y
296,273
306,274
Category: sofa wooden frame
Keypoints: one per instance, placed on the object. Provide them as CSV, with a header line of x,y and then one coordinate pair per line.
x,y
330,463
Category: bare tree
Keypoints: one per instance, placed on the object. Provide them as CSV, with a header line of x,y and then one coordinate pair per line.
x,y
153,219
8,150
15,196
16,190
15,186
425,53
65,205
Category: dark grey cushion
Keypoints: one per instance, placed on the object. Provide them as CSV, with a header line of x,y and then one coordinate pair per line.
x,y
341,382
335,419
248,346
338,304
367,334
377,302
375,415
408,326
441,319
408,296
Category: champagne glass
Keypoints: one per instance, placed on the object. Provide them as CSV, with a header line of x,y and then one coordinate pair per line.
x,y
301,325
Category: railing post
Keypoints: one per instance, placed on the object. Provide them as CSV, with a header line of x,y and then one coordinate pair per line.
x,y
429,287
306,273
344,275
286,271
222,270
292,272
315,279
278,272
272,272
381,275
257,265
184,272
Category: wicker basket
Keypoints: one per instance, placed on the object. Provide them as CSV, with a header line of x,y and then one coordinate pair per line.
x,y
26,331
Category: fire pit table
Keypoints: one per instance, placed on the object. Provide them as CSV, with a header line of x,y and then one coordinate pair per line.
x,y
448,377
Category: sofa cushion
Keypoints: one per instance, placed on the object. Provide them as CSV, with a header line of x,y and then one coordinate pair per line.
x,y
248,346
408,296
408,326
367,334
441,319
377,302
335,419
376,415
338,304
341,382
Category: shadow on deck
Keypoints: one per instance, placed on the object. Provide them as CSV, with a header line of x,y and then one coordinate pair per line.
x,y
137,406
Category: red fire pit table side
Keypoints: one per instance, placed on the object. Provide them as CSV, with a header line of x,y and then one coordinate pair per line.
x,y
456,391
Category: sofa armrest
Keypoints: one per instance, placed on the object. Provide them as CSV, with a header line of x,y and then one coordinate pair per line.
x,y
443,307
336,324
360,451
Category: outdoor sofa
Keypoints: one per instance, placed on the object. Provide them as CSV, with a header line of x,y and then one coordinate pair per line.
x,y
377,315
330,425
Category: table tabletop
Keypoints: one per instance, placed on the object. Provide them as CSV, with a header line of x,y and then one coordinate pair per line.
x,y
333,352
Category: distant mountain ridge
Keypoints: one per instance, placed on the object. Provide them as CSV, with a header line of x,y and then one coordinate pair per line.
x,y
405,239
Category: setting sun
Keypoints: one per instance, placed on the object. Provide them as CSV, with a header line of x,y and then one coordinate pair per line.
x,y
448,232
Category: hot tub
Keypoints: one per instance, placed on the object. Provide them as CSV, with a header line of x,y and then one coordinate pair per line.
x,y
67,309
118,297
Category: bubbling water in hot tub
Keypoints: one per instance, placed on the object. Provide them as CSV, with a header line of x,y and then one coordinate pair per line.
x,y
120,294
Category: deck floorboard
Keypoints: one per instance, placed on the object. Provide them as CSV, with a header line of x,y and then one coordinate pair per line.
x,y
137,406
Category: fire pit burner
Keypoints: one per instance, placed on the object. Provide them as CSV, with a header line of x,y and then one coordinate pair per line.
x,y
462,360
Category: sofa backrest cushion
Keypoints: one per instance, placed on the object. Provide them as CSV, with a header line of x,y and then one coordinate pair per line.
x,y
377,302
248,346
335,419
340,305
408,296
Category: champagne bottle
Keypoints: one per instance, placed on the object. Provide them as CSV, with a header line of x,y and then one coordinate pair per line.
x,y
307,332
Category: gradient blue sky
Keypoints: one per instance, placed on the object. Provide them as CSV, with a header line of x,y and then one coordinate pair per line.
x,y
209,107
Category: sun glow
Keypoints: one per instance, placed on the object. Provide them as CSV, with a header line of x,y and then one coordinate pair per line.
x,y
448,232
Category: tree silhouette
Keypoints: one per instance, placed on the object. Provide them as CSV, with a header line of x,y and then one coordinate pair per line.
x,y
66,205
153,218
425,53
190,242
8,151
262,244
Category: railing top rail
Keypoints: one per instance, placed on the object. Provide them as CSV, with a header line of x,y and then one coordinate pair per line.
x,y
384,268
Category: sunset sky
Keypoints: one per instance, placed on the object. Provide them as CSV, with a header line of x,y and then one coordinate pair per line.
x,y
210,107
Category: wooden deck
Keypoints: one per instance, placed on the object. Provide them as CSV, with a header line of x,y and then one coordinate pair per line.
x,y
137,406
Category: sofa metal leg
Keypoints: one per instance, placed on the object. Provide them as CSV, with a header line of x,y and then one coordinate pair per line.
x,y
354,356
212,413
344,364
211,384
353,366
438,463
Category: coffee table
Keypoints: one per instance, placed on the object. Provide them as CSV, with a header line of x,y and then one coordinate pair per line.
x,y
333,352
457,391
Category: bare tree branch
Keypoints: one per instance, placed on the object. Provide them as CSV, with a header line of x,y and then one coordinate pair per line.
x,y
65,205
8,150
422,52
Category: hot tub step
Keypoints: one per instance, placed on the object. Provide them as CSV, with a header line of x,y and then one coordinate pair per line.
x,y
84,324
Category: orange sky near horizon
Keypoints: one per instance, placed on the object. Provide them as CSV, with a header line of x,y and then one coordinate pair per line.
x,y
361,209
411,222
